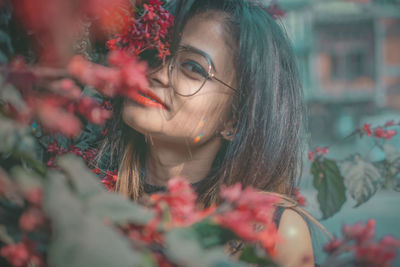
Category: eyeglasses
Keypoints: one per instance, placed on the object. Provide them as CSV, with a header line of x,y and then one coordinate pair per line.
x,y
189,69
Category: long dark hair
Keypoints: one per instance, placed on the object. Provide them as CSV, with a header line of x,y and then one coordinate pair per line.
x,y
269,110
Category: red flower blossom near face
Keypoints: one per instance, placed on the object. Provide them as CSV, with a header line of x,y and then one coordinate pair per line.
x,y
148,30
124,76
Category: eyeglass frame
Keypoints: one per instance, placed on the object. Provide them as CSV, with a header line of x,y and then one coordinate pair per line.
x,y
210,75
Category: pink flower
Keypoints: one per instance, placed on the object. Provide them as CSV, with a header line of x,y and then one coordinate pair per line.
x,y
301,200
359,232
333,245
389,123
367,129
31,219
311,156
251,209
110,180
322,151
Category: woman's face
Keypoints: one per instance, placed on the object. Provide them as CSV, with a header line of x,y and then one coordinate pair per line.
x,y
190,120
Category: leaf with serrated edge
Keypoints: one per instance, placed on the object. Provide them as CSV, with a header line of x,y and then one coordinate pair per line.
x,y
183,248
361,178
393,157
330,186
80,239
118,209
85,182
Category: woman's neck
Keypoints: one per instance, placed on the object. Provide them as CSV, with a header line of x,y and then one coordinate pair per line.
x,y
166,161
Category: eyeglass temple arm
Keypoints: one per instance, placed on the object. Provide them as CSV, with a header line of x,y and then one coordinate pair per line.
x,y
218,80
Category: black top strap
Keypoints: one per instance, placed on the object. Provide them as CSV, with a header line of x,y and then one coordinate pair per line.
x,y
278,215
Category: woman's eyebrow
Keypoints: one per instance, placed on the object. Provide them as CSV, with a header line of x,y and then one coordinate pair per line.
x,y
201,52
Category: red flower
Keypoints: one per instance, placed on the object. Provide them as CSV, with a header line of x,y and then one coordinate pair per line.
x,y
17,255
55,119
367,129
251,215
275,11
148,30
389,123
34,196
92,111
333,245
301,200
322,151
311,156
31,219
110,180
386,134
124,76
358,232
181,201
22,253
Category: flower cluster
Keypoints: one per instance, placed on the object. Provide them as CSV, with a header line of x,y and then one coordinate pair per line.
x,y
22,254
123,77
301,200
251,216
380,132
54,150
148,29
318,151
358,239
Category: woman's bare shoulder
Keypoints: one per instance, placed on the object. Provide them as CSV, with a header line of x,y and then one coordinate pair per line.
x,y
295,249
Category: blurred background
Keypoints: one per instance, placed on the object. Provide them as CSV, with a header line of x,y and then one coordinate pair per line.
x,y
349,58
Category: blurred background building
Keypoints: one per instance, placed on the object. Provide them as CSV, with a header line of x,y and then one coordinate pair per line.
x,y
349,58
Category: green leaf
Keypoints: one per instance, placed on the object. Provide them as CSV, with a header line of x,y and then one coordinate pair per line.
x,y
184,249
393,158
15,138
10,94
78,238
252,254
362,179
211,234
330,186
84,181
26,179
118,209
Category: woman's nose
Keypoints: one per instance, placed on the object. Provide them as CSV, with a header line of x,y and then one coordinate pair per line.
x,y
159,77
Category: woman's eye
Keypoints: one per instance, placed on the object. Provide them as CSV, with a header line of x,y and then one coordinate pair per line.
x,y
194,67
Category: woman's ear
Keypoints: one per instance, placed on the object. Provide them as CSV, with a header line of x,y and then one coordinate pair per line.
x,y
229,131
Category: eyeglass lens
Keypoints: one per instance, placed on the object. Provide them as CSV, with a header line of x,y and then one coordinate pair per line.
x,y
188,72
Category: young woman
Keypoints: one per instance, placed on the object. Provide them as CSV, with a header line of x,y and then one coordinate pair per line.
x,y
226,107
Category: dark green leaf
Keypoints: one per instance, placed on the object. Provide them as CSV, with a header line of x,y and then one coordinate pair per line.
x,y
84,181
118,209
211,234
80,239
362,179
184,249
15,138
253,254
330,186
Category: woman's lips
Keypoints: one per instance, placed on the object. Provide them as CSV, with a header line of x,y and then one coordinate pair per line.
x,y
148,98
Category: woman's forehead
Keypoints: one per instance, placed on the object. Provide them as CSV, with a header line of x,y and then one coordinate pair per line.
x,y
207,34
